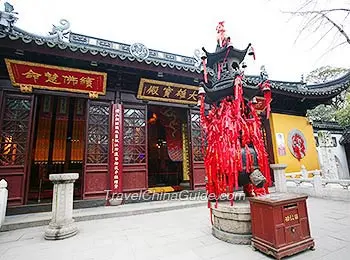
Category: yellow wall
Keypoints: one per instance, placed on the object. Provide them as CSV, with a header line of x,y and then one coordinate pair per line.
x,y
283,124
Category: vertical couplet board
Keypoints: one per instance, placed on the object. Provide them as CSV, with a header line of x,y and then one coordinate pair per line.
x,y
116,149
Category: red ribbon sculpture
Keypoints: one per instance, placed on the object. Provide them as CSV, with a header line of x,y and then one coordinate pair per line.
x,y
228,129
233,128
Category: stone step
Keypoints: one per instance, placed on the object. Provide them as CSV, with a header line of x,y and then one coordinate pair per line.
x,y
80,204
43,218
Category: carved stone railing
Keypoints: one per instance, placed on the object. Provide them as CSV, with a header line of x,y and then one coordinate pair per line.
x,y
318,187
299,181
343,183
299,174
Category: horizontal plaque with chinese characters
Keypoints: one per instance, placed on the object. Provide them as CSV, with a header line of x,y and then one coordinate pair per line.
x,y
167,92
28,75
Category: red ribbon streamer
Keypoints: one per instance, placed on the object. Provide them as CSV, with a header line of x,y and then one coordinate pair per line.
x,y
230,128
205,72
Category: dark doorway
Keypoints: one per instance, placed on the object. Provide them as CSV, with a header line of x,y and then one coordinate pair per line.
x,y
165,146
58,144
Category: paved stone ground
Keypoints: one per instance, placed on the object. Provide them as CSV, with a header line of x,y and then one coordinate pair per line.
x,y
178,234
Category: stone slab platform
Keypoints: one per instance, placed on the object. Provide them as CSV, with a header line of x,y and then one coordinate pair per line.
x,y
43,218
173,235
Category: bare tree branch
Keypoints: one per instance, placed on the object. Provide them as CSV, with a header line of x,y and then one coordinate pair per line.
x,y
322,22
336,46
334,10
307,24
317,12
324,35
340,29
308,2
323,14
346,16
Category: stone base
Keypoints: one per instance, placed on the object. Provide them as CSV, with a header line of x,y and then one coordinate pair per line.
x,y
284,251
56,232
239,239
115,201
232,224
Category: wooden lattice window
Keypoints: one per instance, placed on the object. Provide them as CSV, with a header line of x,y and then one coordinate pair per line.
x,y
98,132
14,131
134,135
198,139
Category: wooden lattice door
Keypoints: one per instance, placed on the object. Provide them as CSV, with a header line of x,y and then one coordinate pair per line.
x,y
135,157
15,125
58,143
197,143
96,178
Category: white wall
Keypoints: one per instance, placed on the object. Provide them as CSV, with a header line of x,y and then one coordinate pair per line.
x,y
342,163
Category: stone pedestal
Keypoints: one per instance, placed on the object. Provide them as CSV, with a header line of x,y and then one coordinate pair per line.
x,y
3,200
328,164
62,224
280,177
232,223
318,184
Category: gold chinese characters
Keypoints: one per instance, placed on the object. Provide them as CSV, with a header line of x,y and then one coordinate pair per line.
x,y
153,90
30,74
291,217
163,91
171,92
54,78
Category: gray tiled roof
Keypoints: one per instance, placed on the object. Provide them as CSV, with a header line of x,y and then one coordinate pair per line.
x,y
96,46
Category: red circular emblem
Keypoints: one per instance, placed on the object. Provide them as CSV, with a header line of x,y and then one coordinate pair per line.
x,y
297,143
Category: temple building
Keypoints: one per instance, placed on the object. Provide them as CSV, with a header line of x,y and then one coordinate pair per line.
x,y
123,116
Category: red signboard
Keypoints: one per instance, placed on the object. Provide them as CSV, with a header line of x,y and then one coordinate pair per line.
x,y
116,151
260,106
167,92
28,75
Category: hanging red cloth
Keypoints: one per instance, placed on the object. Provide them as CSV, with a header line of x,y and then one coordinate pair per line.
x,y
230,128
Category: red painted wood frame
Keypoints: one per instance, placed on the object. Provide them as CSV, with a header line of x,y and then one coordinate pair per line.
x,y
135,171
268,144
96,172
197,151
16,173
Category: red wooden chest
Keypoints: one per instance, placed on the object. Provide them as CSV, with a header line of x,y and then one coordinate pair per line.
x,y
280,224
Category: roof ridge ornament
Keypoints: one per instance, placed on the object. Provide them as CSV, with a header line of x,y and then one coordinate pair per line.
x,y
8,18
139,51
197,55
61,31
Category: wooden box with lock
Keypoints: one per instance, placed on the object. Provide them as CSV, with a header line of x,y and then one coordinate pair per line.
x,y
280,224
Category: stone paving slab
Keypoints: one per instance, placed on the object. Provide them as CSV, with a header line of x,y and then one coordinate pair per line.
x,y
42,219
177,234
